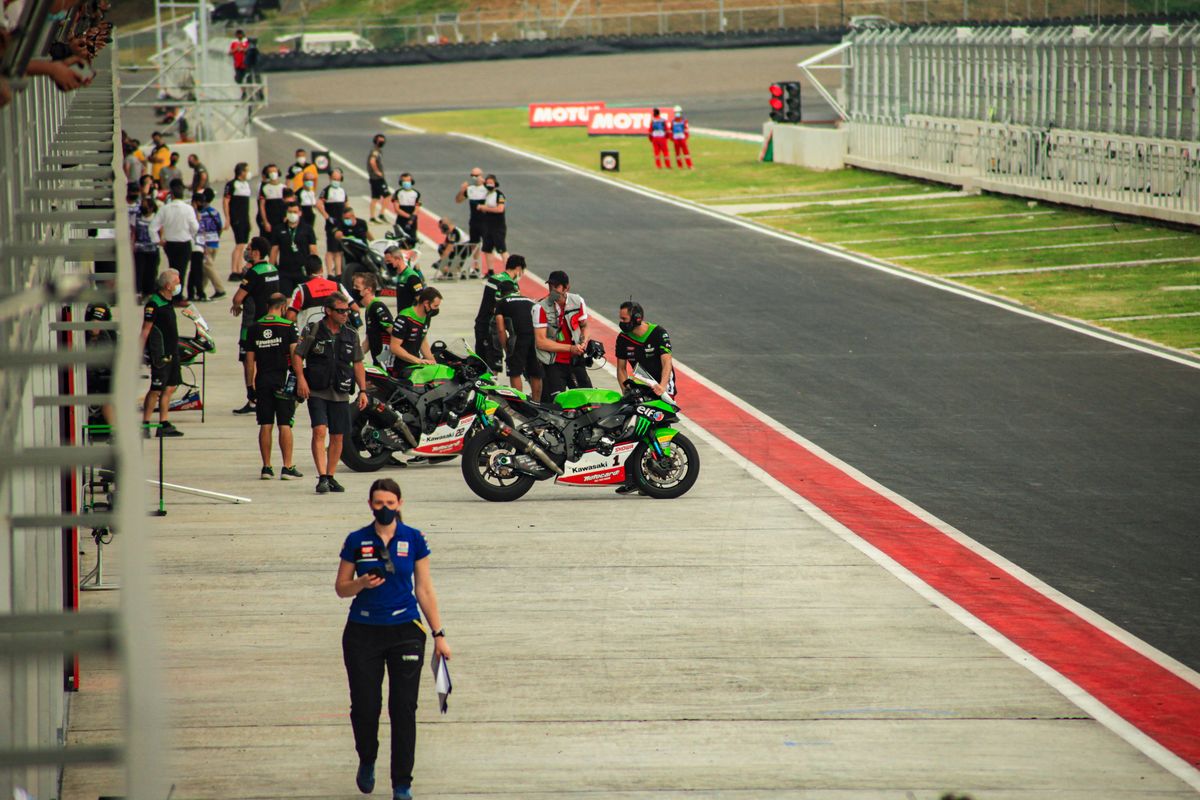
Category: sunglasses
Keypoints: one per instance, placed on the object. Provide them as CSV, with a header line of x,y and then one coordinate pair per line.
x,y
340,310
387,560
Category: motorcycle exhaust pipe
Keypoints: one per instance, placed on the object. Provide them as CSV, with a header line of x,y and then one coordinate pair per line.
x,y
384,417
527,445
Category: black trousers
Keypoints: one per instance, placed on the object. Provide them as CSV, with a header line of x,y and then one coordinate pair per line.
x,y
485,343
195,284
146,266
178,256
367,650
564,376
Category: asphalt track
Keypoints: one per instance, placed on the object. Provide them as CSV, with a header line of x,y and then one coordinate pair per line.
x,y
1072,457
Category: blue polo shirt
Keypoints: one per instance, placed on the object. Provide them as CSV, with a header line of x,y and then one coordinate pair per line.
x,y
392,602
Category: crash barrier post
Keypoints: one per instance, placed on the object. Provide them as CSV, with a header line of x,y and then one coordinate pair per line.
x,y
62,210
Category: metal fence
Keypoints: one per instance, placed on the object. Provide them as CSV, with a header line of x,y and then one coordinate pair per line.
x,y
593,18
1106,116
61,211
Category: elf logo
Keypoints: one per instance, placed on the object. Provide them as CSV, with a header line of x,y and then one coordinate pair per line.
x,y
561,115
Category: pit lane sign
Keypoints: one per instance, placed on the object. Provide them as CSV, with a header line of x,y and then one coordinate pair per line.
x,y
561,115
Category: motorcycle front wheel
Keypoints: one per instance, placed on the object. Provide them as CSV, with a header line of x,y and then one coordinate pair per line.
x,y
484,477
359,453
670,477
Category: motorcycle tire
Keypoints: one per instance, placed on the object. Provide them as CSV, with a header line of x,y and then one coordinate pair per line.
x,y
358,458
475,469
665,487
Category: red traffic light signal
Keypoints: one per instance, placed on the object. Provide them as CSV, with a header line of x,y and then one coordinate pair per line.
x,y
776,90
785,101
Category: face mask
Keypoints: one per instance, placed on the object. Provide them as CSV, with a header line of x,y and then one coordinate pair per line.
x,y
301,160
293,217
490,186
380,144
385,515
349,220
335,183
272,176
248,256
178,290
406,184
433,312
57,16
627,327
308,184
556,297
356,296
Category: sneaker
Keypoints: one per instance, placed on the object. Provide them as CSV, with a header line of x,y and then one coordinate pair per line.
x,y
402,793
234,276
365,779
147,432
246,409
628,489
334,486
172,431
322,485
462,276
217,295
266,474
287,473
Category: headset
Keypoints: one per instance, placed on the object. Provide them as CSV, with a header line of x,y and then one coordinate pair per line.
x,y
636,313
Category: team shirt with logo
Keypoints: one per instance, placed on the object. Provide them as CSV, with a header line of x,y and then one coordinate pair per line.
x,y
378,321
270,340
410,329
647,351
393,601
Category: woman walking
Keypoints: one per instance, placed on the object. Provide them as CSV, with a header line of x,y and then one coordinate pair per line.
x,y
237,213
385,568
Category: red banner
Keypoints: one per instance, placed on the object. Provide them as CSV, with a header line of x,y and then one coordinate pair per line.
x,y
561,115
625,121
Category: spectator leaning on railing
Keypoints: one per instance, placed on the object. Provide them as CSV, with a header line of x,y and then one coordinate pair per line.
x,y
75,31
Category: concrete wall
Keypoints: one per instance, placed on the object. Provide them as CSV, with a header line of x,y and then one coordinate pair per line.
x,y
220,158
806,146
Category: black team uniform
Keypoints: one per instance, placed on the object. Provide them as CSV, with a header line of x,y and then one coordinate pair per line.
x,y
497,286
521,358
647,352
270,339
378,322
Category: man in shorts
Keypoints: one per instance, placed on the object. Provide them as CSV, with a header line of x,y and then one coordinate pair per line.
x,y
269,348
160,341
379,187
514,327
328,363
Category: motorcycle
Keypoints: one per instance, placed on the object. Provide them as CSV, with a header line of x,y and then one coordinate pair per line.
x,y
363,256
429,411
583,437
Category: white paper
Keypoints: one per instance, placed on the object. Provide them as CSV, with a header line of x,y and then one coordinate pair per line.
x,y
441,675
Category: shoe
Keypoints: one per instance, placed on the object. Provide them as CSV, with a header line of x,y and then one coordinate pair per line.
x,y
287,473
628,489
165,432
402,793
218,295
462,276
246,409
323,485
266,474
474,273
417,460
334,486
233,276
147,433
365,777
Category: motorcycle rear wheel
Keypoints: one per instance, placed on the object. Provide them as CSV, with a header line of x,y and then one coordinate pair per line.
x,y
355,454
672,479
477,455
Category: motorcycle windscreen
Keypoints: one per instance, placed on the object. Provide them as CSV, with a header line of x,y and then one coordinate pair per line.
x,y
446,440
594,469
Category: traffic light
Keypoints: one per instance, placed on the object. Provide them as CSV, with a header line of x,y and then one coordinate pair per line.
x,y
785,101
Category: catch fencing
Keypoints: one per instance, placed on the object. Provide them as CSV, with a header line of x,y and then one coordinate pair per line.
x,y
1107,117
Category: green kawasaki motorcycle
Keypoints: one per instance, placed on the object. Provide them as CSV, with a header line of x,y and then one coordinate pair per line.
x,y
583,437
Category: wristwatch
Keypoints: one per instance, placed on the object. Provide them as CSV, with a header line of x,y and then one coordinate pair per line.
x,y
439,632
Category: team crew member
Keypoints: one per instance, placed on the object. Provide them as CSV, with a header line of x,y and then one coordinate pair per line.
x,y
293,245
334,366
495,287
306,195
199,174
175,227
452,239
410,331
644,344
271,206
679,138
409,281
301,171
259,282
269,349
406,203
514,325
376,319
160,340
658,139
331,203
312,293
375,176
353,226
560,330
237,212
473,192
495,226
385,568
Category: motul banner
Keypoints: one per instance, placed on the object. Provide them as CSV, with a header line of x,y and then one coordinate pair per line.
x,y
625,121
561,115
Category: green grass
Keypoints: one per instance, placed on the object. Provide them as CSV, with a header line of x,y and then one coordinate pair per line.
x,y
728,172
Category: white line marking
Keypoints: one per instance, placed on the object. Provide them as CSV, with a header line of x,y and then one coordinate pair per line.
x,y
978,233
402,126
947,219
1138,317
896,271
849,190
1181,288
264,125
1038,247
1067,267
1101,713
721,133
807,214
749,208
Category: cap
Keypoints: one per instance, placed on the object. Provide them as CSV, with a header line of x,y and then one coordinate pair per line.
x,y
678,109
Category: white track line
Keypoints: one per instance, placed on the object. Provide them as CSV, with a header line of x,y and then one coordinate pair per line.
x,y
1100,712
721,133
750,208
976,233
1151,316
402,126
939,220
899,272
736,198
1037,247
1068,267
809,214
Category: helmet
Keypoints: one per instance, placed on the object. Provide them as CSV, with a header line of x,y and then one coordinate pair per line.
x,y
678,109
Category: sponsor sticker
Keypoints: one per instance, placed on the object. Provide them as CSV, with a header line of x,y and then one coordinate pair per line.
x,y
402,549
624,121
562,115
